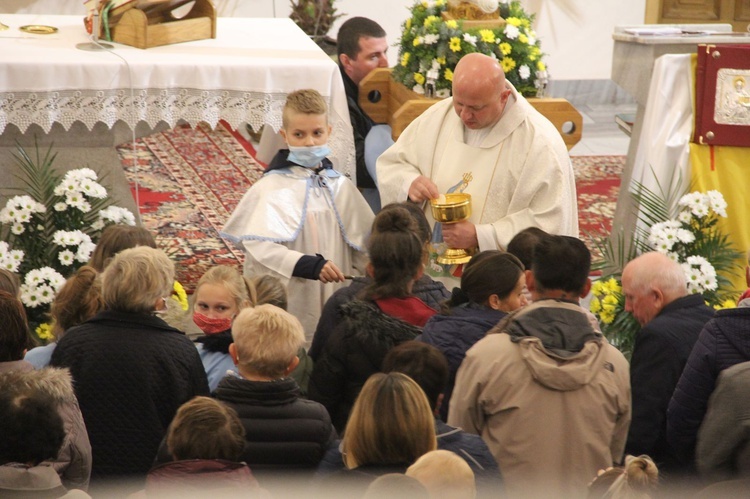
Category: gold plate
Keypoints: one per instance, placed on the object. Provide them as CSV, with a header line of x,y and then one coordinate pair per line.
x,y
38,29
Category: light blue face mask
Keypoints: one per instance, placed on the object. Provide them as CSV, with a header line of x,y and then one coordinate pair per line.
x,y
310,156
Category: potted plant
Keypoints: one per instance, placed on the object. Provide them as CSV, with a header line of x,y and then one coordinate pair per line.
x,y
315,17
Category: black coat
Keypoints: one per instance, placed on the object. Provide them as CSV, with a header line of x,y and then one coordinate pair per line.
x,y
354,352
282,430
130,373
724,342
361,125
661,350
433,293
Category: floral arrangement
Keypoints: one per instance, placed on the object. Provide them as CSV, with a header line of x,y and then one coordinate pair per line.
x,y
431,47
691,238
49,232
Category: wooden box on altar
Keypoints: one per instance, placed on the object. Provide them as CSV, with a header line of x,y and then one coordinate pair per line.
x,y
387,101
138,29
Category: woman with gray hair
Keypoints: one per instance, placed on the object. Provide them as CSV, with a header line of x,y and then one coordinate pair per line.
x,y
131,370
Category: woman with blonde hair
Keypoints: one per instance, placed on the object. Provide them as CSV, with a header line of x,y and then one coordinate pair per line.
x,y
132,370
638,479
390,427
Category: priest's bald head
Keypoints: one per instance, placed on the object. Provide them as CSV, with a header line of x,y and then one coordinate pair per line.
x,y
479,91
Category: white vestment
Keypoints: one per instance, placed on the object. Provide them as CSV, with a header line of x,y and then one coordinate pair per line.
x,y
291,212
520,175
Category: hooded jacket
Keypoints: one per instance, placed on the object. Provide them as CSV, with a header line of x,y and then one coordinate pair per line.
x,y
73,463
549,396
723,342
354,352
202,477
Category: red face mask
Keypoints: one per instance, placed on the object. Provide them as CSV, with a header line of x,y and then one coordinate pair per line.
x,y
210,325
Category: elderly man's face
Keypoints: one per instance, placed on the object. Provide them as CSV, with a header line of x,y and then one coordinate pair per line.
x,y
643,304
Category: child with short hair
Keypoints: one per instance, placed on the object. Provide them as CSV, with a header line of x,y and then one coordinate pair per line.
x,y
303,221
283,429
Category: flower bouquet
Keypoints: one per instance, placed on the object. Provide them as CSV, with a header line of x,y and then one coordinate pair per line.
x,y
431,47
690,237
49,231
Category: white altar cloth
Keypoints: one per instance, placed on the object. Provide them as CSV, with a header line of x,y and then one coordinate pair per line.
x,y
242,76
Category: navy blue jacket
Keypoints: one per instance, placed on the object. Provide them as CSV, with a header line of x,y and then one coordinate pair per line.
x,y
454,334
724,342
661,350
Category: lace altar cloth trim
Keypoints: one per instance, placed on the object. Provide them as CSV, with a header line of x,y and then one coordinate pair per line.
x,y
171,106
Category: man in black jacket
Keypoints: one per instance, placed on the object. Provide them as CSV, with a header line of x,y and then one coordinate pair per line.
x,y
362,47
656,295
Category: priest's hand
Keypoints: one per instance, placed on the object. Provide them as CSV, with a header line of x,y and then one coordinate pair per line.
x,y
331,273
461,235
422,189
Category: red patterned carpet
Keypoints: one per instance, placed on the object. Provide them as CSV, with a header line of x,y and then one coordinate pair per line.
x,y
190,180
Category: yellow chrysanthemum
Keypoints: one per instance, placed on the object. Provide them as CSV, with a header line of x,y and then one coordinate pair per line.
x,y
439,3
607,317
448,74
487,35
180,296
429,20
541,66
419,78
513,21
417,41
441,60
597,288
610,300
505,48
612,285
455,45
405,58
452,24
408,24
595,306
525,23
535,51
725,304
523,38
44,332
425,4
508,64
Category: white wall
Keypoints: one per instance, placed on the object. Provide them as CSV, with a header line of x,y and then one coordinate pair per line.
x,y
576,35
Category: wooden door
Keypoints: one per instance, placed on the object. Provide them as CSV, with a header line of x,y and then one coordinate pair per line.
x,y
734,12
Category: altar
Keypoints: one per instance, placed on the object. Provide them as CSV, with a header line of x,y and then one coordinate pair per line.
x,y
658,69
86,102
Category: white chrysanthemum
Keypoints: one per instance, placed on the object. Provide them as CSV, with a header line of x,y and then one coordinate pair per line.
x,y
34,277
17,229
717,203
29,297
524,72
84,206
685,216
83,254
430,39
511,32
435,64
98,225
685,236
673,256
470,39
442,93
532,37
710,283
418,89
93,189
67,186
81,174
66,257
60,206
45,293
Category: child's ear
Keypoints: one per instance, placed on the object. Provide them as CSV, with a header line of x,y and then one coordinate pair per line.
x,y
233,353
330,129
292,365
282,132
